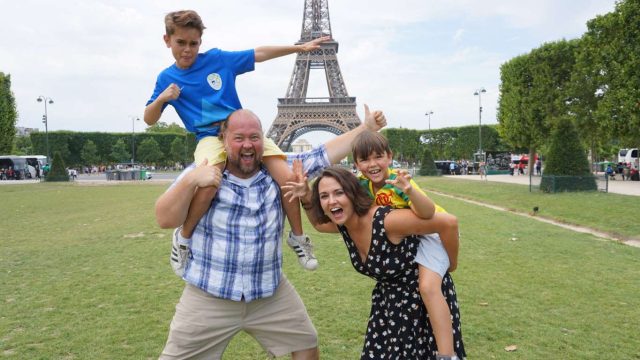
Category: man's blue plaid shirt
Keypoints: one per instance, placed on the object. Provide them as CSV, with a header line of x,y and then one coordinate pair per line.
x,y
237,245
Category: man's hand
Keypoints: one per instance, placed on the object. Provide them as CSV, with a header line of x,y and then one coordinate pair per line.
x,y
298,188
314,44
374,121
402,182
206,175
172,92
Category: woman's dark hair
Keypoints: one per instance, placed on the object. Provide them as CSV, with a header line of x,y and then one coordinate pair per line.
x,y
352,189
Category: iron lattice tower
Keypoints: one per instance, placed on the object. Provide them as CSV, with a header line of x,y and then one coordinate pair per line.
x,y
299,114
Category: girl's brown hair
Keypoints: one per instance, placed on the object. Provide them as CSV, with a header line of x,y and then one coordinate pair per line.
x,y
352,189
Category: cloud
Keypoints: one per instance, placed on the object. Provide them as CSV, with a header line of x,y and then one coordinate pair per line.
x,y
99,59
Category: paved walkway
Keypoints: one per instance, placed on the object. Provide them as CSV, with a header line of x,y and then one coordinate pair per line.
x,y
615,186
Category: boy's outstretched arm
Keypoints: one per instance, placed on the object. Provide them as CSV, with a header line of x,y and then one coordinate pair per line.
x,y
264,53
340,146
421,204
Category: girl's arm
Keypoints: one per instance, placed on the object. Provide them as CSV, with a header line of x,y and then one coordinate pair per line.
x,y
401,223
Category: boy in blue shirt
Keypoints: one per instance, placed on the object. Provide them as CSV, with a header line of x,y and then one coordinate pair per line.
x,y
201,88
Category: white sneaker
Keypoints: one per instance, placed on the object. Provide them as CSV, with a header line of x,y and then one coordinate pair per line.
x,y
303,248
179,254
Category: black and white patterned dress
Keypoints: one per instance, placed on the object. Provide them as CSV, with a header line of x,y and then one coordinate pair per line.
x,y
398,325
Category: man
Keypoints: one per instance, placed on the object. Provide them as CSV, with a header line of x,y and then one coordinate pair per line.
x,y
234,274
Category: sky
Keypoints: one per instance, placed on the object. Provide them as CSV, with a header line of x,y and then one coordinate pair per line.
x,y
98,59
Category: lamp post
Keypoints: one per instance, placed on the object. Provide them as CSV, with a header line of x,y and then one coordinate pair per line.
x,y
479,93
429,113
45,120
133,138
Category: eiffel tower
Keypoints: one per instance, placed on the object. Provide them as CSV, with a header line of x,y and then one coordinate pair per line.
x,y
299,114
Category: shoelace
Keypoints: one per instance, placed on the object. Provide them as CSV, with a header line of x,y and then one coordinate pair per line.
x,y
308,248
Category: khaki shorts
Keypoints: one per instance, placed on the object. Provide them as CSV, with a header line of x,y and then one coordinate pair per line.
x,y
212,149
203,325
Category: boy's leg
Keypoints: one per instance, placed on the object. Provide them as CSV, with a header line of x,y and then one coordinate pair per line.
x,y
430,284
212,149
199,206
446,225
298,241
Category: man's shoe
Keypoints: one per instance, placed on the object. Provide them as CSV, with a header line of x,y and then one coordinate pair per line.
x,y
179,254
303,248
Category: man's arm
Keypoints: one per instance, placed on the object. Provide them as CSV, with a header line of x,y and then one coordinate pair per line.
x,y
340,146
264,53
173,205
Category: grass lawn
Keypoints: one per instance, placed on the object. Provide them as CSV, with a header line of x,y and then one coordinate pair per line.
x,y
85,275
607,212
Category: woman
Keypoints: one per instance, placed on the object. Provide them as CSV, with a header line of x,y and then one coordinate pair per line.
x,y
382,246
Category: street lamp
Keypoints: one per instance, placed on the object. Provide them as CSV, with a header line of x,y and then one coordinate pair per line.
x,y
429,113
479,93
46,100
133,138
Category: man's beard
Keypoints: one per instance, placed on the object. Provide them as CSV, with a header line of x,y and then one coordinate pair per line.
x,y
247,169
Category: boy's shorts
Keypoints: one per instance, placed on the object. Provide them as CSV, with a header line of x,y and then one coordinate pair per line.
x,y
432,255
212,149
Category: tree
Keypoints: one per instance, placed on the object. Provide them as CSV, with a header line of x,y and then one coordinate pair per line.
x,y
22,146
614,39
163,127
534,92
177,152
566,164
89,153
149,151
428,166
585,94
58,170
8,115
119,152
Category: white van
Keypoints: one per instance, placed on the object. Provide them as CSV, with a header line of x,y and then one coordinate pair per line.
x,y
628,156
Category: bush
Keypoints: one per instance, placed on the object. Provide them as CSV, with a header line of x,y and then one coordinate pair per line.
x,y
58,170
566,165
552,183
428,166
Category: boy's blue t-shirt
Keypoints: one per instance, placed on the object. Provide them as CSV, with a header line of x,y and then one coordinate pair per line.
x,y
208,92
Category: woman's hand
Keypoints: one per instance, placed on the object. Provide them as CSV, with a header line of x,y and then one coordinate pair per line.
x,y
298,189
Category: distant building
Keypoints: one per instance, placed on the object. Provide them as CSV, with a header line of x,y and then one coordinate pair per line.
x,y
25,131
301,145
